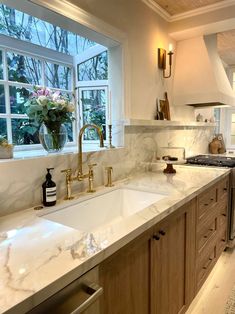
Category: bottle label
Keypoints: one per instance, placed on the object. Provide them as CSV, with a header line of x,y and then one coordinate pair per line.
x,y
51,194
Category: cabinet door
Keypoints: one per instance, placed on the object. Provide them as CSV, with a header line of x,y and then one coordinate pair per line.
x,y
125,279
172,262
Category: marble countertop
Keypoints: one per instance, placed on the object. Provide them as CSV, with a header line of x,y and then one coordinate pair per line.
x,y
38,257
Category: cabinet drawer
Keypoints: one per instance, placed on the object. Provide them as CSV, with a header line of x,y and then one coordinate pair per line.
x,y
222,240
205,265
206,233
223,215
223,188
206,202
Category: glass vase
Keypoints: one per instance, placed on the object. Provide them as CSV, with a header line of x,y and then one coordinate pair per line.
x,y
53,137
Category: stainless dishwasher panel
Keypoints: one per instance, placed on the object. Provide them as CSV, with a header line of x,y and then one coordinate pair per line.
x,y
81,296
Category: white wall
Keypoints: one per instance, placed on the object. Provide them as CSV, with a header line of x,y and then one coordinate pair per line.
x,y
146,32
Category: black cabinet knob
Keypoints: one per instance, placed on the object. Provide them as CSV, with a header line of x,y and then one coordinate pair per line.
x,y
162,232
156,237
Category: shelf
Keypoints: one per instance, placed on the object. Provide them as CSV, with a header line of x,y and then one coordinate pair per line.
x,y
166,123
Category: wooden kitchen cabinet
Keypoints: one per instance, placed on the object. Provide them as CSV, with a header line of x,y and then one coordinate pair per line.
x,y
211,228
172,262
153,274
161,271
125,278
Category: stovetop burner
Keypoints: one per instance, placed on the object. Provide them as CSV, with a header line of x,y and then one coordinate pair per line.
x,y
209,160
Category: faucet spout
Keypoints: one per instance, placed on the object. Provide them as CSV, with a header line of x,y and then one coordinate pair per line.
x,y
99,132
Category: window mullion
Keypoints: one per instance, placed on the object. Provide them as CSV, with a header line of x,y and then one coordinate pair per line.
x,y
75,125
7,96
43,72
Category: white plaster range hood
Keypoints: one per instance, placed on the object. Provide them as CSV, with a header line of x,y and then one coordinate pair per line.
x,y
200,78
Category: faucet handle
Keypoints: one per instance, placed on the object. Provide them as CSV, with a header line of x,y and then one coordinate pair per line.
x,y
69,179
109,176
67,171
90,166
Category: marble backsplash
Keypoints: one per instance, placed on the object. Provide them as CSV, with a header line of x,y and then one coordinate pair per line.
x,y
21,180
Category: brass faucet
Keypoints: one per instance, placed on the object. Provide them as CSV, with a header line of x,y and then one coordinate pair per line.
x,y
80,176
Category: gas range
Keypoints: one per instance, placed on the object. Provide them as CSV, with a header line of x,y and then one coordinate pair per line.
x,y
212,160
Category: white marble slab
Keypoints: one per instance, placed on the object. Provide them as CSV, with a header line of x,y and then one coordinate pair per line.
x,y
38,257
21,180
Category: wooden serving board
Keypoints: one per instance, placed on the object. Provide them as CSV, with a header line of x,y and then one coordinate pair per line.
x,y
165,108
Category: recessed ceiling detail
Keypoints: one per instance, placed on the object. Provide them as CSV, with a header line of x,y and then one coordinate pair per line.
x,y
226,46
173,7
172,10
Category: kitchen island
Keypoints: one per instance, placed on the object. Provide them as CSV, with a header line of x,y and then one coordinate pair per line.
x,y
39,257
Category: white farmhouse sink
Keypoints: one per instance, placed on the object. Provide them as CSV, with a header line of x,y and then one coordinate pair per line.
x,y
104,209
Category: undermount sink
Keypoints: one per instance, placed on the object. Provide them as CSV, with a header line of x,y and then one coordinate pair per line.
x,y
104,209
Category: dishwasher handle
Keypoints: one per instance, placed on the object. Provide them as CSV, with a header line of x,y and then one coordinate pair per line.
x,y
94,291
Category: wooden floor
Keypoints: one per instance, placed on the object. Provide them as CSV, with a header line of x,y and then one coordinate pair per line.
x,y
213,295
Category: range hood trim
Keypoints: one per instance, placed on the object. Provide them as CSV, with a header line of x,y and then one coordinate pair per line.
x,y
209,104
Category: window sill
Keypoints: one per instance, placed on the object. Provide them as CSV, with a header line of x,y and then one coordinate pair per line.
x,y
41,153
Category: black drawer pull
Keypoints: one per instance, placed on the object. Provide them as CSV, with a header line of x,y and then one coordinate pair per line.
x,y
208,233
156,237
162,232
206,204
225,189
208,263
212,199
224,215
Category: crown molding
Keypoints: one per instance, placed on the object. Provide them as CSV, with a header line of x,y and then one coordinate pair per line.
x,y
159,10
176,17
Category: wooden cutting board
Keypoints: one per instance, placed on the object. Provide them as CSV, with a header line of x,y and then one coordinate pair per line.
x,y
165,108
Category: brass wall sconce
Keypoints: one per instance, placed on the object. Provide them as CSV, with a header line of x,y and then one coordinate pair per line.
x,y
162,60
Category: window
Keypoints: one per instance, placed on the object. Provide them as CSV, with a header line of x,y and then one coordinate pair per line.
x,y
217,120
93,102
21,73
230,128
92,84
234,81
232,125
43,54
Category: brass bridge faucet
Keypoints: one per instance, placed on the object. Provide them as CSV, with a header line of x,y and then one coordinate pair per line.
x,y
80,176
